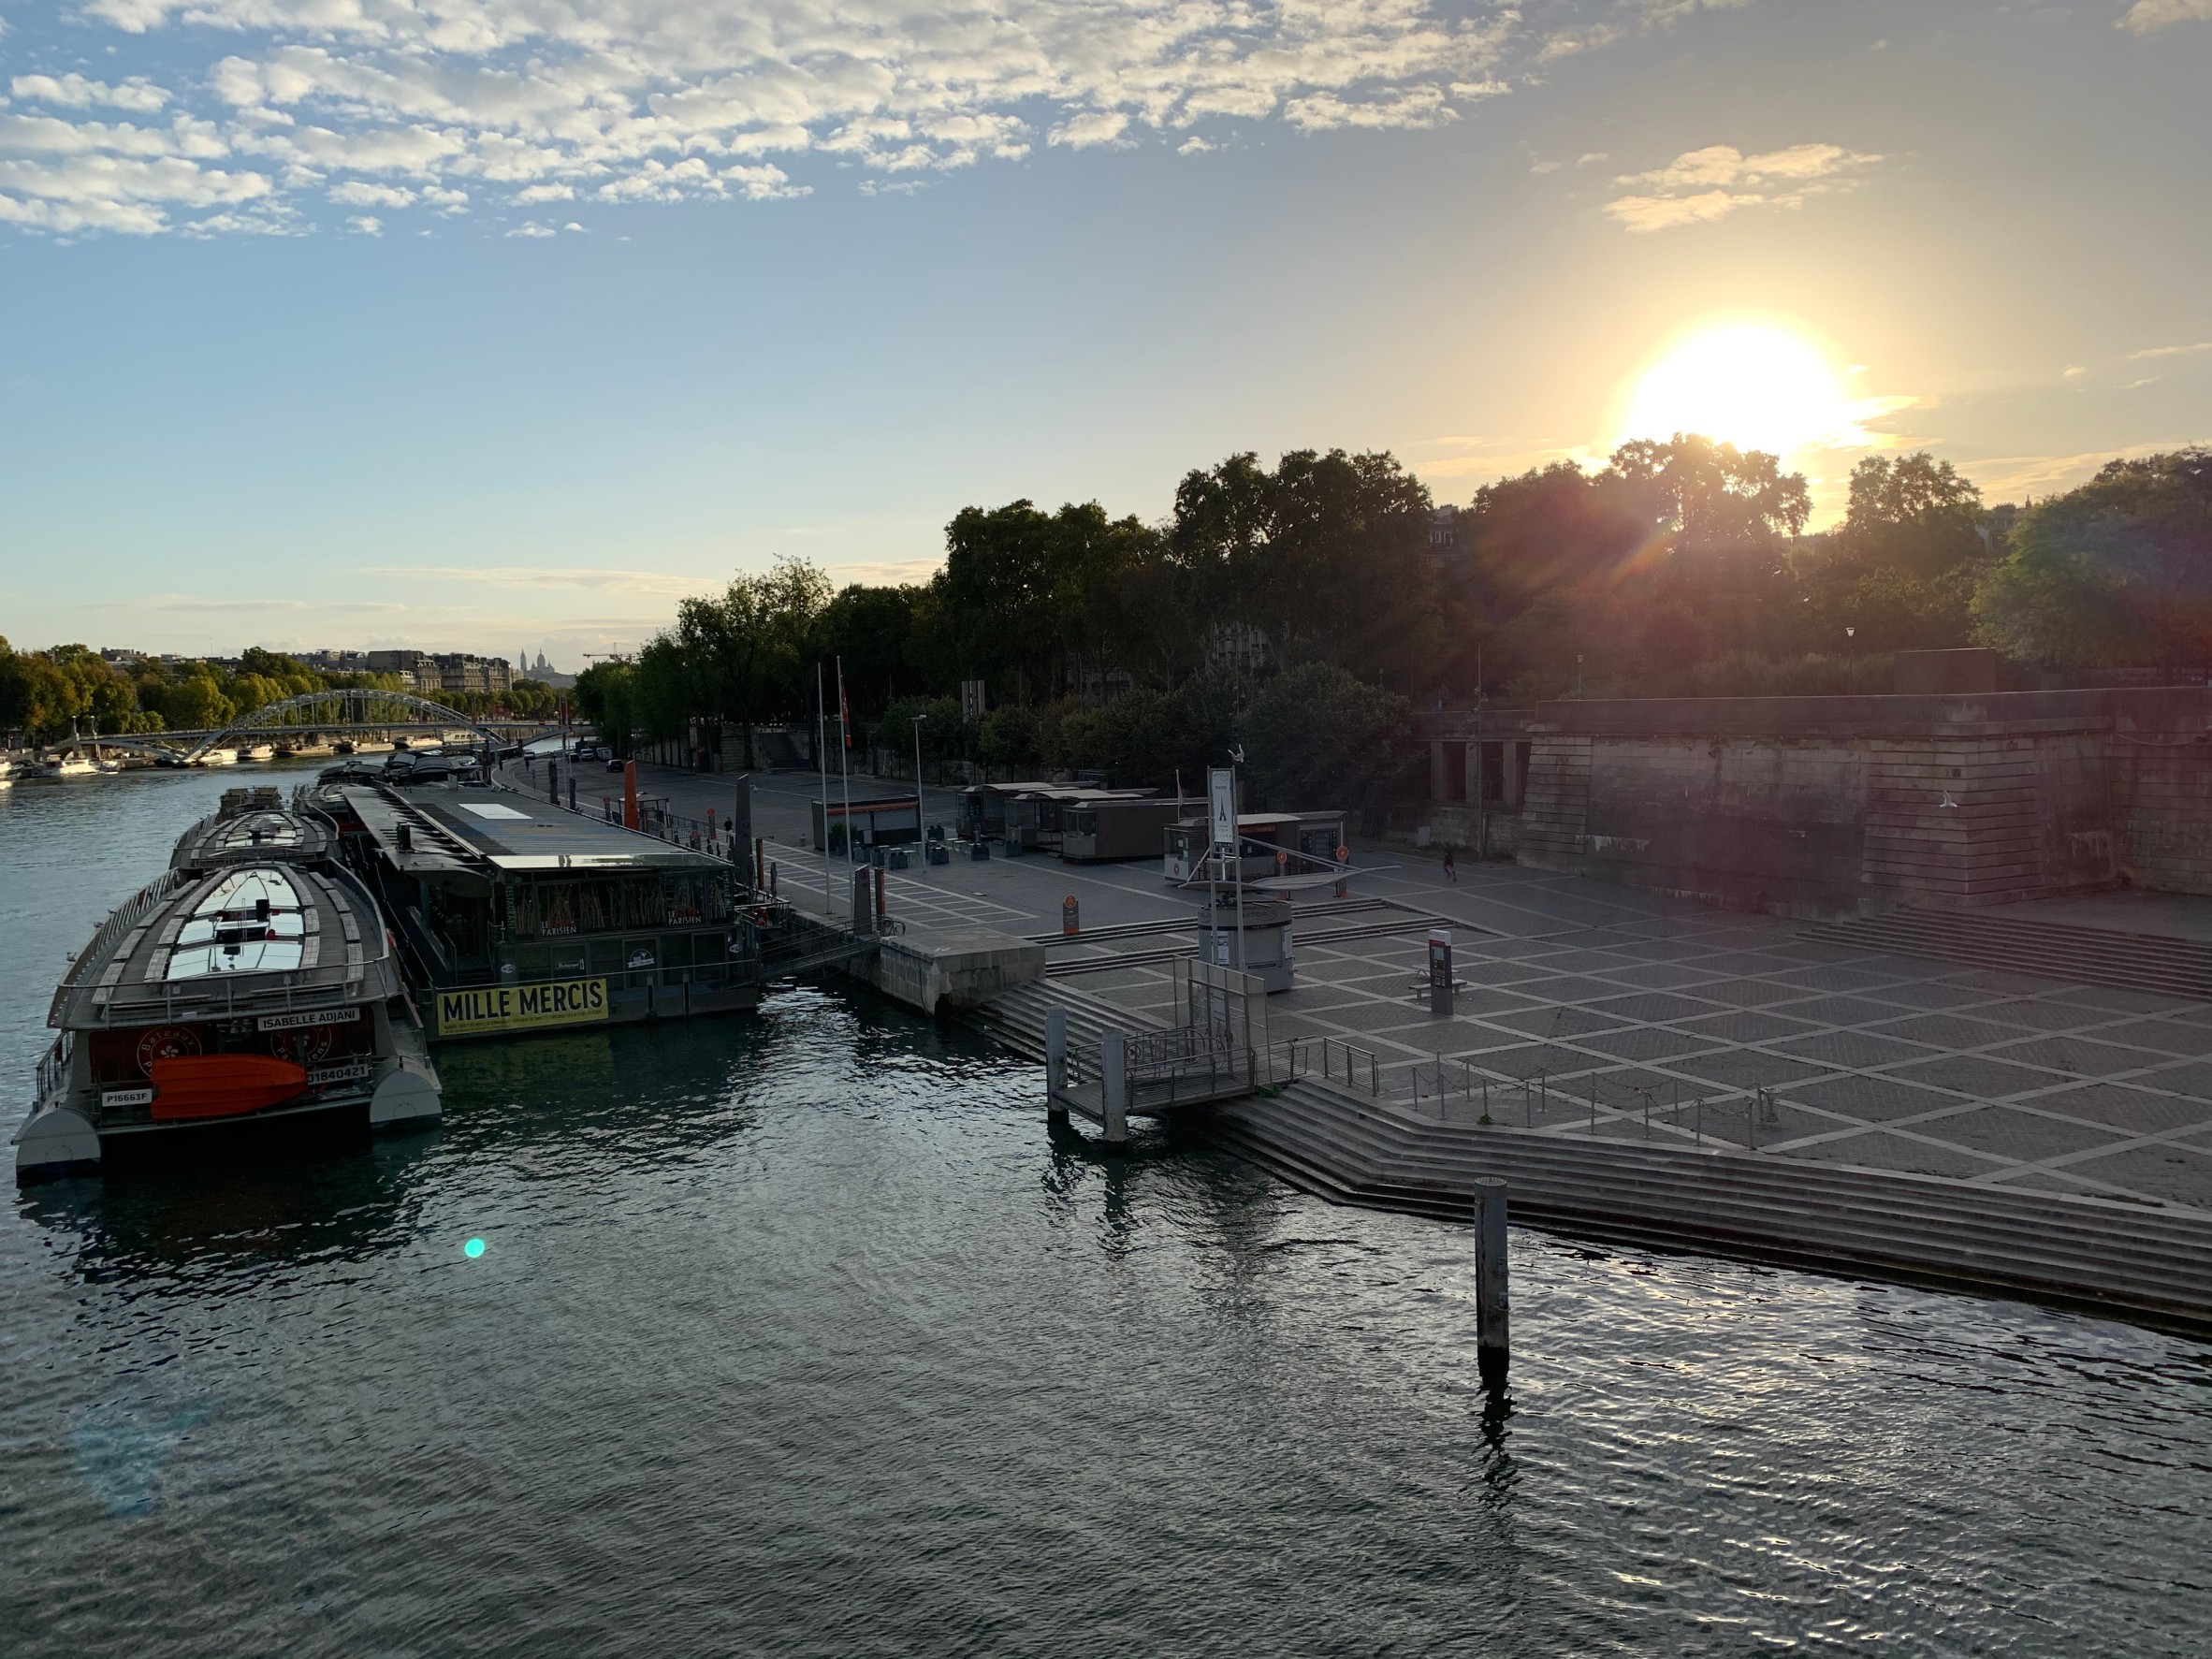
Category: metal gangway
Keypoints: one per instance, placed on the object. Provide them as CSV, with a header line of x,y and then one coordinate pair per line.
x,y
1216,1051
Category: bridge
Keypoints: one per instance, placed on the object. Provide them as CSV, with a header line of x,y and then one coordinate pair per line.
x,y
314,715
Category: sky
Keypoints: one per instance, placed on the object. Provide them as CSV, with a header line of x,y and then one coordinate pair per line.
x,y
501,325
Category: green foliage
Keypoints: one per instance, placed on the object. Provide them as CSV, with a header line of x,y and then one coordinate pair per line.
x,y
606,696
1675,551
1912,515
1326,553
2117,573
1316,736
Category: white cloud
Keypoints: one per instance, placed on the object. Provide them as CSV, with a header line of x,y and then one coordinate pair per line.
x,y
532,229
1701,185
1097,126
74,92
534,101
367,224
2146,15
2170,350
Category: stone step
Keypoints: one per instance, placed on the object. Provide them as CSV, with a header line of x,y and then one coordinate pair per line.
x,y
2008,1259
2070,955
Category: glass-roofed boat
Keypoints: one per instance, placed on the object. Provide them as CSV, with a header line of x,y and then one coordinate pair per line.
x,y
515,915
245,994
253,826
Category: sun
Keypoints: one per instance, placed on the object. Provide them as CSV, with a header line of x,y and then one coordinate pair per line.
x,y
1748,384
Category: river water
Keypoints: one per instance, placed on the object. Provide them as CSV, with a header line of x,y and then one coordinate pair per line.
x,y
799,1335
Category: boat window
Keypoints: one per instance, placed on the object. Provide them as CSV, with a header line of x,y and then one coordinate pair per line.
x,y
250,922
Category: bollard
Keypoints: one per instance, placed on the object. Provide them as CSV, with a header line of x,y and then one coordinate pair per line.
x,y
572,792
1492,1344
553,782
1113,1086
772,874
1055,1065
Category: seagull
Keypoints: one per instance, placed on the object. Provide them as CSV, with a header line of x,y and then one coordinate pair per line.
x,y
1946,801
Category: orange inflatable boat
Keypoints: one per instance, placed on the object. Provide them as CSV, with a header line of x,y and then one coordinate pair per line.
x,y
223,1085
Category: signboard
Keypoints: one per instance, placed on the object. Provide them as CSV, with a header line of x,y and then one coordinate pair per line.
x,y
300,1021
127,1097
1221,805
490,1009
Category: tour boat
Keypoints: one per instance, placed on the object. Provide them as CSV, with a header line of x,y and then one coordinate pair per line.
x,y
253,826
249,993
514,915
219,757
74,766
257,751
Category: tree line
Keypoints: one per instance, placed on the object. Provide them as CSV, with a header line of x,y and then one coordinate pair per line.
x,y
1679,568
44,695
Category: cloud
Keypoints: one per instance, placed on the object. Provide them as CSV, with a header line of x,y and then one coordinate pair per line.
x,y
531,228
74,92
2147,15
605,581
1082,132
523,102
2170,350
2010,476
366,224
1702,186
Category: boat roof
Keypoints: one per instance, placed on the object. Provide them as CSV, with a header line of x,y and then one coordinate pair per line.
x,y
482,829
237,939
253,835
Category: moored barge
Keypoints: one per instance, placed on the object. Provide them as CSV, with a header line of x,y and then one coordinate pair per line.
x,y
516,916
248,993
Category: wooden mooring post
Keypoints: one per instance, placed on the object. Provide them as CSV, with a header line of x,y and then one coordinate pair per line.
x,y
1113,1086
1055,1065
1492,1344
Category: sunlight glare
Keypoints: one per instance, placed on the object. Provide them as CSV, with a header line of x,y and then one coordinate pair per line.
x,y
1749,384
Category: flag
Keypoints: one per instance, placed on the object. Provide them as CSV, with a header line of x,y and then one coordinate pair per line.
x,y
844,709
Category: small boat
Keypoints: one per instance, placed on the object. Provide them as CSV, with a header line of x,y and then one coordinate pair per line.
x,y
257,751
243,994
74,766
107,767
219,757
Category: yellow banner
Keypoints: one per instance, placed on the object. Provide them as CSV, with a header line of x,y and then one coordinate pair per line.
x,y
520,1008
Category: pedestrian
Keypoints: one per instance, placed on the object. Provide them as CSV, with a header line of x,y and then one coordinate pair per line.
x,y
1452,871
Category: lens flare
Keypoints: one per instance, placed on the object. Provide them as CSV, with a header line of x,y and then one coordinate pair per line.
x,y
1749,384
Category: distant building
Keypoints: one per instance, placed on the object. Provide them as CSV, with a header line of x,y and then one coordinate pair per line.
x,y
1239,646
458,671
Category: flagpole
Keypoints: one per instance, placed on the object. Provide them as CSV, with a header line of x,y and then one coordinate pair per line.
x,y
821,759
845,771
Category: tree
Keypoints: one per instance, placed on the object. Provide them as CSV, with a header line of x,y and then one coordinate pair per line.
x,y
605,693
1326,554
2114,574
1913,513
1315,736
870,628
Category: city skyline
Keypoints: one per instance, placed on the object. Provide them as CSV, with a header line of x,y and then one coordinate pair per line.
x,y
306,353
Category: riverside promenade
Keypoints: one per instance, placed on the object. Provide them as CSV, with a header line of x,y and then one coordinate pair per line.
x,y
1653,1035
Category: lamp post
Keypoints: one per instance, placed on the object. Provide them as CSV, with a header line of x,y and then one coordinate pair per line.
x,y
921,831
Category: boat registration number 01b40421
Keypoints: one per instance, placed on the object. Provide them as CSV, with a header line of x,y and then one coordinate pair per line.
x,y
521,1008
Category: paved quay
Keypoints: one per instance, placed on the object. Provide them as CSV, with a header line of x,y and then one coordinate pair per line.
x,y
1649,1021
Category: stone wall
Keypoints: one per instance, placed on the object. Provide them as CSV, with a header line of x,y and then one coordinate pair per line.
x,y
1840,805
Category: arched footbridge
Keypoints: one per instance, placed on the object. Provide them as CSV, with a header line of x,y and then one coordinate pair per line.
x,y
317,715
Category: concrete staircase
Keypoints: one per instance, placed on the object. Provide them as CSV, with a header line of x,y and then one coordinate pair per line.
x,y
2158,963
2119,1258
